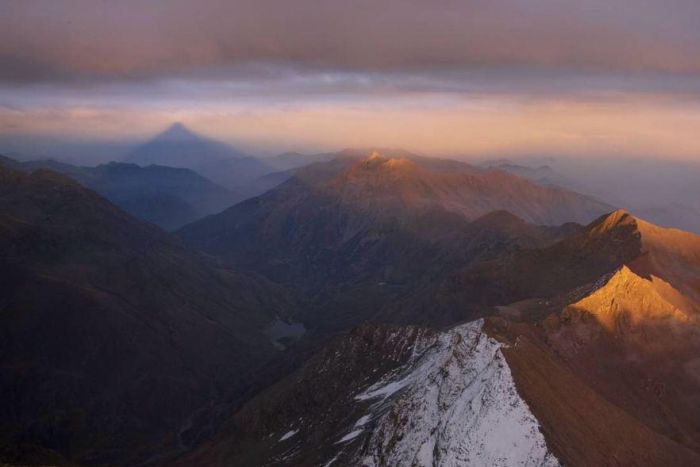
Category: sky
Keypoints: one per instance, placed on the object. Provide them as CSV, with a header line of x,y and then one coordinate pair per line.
x,y
585,78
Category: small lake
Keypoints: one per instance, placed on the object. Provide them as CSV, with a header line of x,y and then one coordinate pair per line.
x,y
282,333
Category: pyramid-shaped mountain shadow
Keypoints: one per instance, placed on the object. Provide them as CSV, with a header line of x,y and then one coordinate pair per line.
x,y
178,146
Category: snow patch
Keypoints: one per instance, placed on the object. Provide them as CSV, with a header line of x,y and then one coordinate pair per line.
x,y
288,435
350,436
363,421
383,392
330,462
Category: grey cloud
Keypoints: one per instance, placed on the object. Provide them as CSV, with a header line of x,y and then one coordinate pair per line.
x,y
83,40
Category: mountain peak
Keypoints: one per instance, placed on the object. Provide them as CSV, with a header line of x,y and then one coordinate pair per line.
x,y
614,221
651,234
375,158
619,216
628,300
178,126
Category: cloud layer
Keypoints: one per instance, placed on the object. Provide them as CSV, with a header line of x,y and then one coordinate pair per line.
x,y
434,75
73,39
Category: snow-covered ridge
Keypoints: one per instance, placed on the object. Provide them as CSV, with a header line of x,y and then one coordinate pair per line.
x,y
454,404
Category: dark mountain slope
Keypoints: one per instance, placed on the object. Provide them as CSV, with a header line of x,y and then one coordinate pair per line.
x,y
115,341
132,187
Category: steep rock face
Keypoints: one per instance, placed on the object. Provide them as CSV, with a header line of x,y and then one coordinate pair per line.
x,y
456,404
116,342
426,399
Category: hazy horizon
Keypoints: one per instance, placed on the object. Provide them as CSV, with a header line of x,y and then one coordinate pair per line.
x,y
92,151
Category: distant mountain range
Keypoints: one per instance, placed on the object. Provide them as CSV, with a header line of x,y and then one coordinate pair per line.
x,y
166,196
